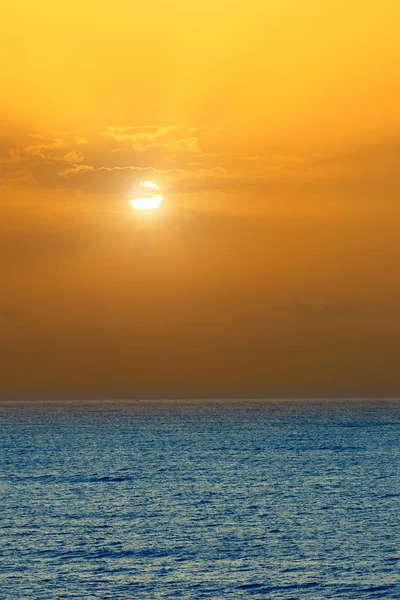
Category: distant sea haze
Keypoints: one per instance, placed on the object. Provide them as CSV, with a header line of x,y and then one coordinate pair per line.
x,y
200,499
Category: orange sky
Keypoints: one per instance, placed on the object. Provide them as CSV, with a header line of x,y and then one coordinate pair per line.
x,y
273,129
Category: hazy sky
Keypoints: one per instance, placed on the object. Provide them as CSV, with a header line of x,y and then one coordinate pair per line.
x,y
273,130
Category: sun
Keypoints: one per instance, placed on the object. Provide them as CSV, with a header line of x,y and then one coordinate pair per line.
x,y
148,197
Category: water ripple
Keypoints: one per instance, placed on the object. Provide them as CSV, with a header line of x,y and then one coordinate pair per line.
x,y
200,500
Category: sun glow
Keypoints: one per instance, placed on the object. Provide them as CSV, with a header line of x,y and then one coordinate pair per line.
x,y
148,197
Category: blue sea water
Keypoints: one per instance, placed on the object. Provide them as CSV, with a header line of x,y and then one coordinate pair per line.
x,y
280,500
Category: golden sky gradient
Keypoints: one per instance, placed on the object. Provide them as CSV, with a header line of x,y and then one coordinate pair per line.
x,y
273,130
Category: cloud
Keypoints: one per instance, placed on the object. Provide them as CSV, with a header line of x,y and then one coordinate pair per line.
x,y
14,157
113,180
70,157
188,144
150,137
45,150
148,133
190,160
112,160
64,160
51,152
74,170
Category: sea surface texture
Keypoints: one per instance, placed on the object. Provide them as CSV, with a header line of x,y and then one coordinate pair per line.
x,y
285,500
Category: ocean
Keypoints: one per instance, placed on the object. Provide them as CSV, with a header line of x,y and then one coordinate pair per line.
x,y
224,499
